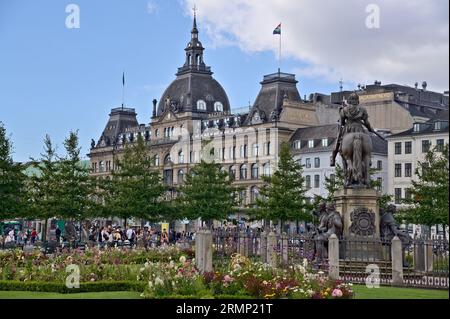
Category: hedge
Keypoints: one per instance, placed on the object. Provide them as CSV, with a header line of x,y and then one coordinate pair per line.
x,y
95,286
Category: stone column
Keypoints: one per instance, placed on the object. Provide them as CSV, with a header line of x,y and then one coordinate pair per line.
x,y
284,248
397,262
333,257
208,251
272,249
263,247
199,254
242,242
429,255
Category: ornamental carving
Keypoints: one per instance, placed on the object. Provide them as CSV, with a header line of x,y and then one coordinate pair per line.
x,y
362,222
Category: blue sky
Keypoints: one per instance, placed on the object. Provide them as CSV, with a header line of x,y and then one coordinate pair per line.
x,y
54,79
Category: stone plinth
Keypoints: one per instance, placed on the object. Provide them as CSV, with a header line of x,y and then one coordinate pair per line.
x,y
359,210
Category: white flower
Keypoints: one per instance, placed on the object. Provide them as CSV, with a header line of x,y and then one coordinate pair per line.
x,y
150,284
159,281
142,269
305,262
182,259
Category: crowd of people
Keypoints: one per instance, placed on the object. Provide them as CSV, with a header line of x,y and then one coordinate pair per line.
x,y
21,237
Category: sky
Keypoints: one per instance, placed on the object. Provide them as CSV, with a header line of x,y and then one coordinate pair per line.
x,y
55,79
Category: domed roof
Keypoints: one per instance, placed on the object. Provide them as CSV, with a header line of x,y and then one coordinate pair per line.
x,y
185,92
194,89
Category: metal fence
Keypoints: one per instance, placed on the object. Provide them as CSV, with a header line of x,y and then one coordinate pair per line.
x,y
361,259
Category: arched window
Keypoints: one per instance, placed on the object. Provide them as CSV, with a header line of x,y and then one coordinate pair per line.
x,y
180,177
232,172
180,157
243,151
266,169
101,166
254,194
218,107
167,159
243,171
255,171
255,149
157,160
201,105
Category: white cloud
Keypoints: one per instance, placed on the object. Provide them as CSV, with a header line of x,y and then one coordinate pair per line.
x,y
152,6
332,39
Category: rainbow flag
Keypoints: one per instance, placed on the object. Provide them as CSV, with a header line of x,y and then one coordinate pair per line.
x,y
277,29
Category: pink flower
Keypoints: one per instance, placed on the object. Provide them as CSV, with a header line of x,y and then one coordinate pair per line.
x,y
337,293
227,279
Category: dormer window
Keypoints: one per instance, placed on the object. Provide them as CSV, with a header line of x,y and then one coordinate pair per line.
x,y
201,105
297,144
416,127
325,142
437,126
218,107
310,143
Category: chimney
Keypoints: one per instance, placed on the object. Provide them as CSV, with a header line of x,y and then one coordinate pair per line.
x,y
424,85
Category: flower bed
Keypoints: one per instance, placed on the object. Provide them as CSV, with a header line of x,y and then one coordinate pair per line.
x,y
164,273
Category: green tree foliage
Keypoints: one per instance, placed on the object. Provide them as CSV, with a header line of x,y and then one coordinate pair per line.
x,y
135,189
75,200
334,183
283,195
12,181
44,184
429,201
207,194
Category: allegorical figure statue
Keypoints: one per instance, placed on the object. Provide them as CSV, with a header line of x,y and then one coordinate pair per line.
x,y
389,228
330,222
354,143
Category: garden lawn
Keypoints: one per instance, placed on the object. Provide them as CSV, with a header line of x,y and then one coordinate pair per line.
x,y
362,292
82,295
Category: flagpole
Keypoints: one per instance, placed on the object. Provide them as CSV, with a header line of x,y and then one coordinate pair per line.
x,y
123,89
279,56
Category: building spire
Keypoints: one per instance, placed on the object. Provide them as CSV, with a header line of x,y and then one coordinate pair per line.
x,y
194,25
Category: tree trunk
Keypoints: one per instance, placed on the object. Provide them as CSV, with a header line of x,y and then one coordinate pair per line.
x,y
44,231
445,233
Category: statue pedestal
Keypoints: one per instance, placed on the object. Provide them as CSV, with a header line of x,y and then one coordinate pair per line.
x,y
359,211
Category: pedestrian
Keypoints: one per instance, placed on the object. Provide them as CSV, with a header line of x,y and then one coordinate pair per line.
x,y
58,234
164,237
34,235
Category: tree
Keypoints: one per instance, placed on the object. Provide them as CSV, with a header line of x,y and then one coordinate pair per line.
x,y
207,194
135,189
76,188
334,183
283,195
43,185
12,181
429,201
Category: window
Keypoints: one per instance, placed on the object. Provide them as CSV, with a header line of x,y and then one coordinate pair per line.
x,y
255,149
408,147
243,172
157,160
379,165
255,171
243,151
243,196
218,107
234,152
380,183
325,142
94,167
398,170
101,166
437,126
191,157
398,148
308,181
180,177
223,154
232,172
440,145
425,146
398,195
311,143
167,159
268,148
316,181
254,194
180,157
308,163
201,105
266,169
156,133
408,193
168,177
317,162
297,144
408,169
416,127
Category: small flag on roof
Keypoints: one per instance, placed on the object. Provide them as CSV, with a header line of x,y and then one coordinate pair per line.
x,y
277,29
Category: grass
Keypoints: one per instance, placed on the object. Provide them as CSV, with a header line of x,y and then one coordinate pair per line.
x,y
362,292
